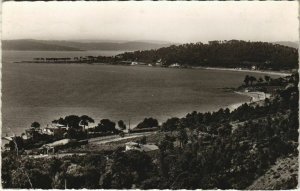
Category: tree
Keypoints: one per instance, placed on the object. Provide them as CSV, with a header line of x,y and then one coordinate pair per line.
x,y
225,130
267,78
170,124
252,79
148,123
165,146
246,80
105,126
72,121
17,144
121,124
260,80
182,137
35,125
85,120
59,121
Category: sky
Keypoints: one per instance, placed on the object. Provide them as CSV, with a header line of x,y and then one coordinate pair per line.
x,y
179,22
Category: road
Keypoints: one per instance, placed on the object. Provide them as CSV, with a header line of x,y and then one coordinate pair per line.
x,y
114,138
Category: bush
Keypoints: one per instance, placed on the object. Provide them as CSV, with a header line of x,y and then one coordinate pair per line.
x,y
148,123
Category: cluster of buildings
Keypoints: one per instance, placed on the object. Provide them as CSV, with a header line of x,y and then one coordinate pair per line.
x,y
56,130
159,63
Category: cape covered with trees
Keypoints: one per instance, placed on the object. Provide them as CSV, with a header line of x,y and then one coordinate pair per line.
x,y
232,54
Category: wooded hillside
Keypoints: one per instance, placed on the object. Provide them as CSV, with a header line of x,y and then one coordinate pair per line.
x,y
233,53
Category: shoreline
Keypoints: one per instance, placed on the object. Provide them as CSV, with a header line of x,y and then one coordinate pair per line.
x,y
269,72
246,70
231,106
254,97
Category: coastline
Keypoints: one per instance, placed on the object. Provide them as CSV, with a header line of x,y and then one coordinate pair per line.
x,y
268,72
233,104
254,97
246,70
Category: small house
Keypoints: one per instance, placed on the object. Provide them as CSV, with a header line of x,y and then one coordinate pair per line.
x,y
56,130
175,65
159,62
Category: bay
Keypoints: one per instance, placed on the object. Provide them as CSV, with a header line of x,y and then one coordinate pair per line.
x,y
44,92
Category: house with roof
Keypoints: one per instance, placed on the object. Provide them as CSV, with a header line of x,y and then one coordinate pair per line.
x,y
159,62
56,130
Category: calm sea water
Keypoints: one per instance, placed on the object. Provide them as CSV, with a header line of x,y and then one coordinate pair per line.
x,y
43,92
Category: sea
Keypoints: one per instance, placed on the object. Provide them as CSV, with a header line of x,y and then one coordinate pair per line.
x,y
44,92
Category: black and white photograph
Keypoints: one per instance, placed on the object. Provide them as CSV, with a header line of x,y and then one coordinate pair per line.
x,y
141,95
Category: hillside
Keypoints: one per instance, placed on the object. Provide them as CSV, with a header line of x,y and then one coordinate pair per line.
x,y
29,44
129,46
282,175
232,54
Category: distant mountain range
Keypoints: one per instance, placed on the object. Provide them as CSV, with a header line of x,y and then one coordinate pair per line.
x,y
82,45
54,45
27,45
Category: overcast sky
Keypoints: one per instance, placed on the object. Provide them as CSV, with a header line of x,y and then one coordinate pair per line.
x,y
164,21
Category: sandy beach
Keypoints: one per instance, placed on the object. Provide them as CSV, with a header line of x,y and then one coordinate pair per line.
x,y
253,97
246,70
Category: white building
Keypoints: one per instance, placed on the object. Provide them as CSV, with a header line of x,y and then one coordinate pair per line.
x,y
175,65
55,130
158,62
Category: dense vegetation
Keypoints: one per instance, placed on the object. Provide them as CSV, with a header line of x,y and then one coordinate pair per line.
x,y
223,149
233,53
74,127
148,123
228,54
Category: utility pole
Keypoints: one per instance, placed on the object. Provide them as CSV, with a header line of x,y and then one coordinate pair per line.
x,y
129,126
